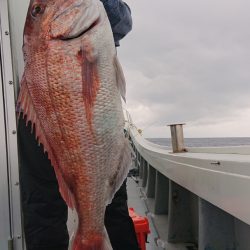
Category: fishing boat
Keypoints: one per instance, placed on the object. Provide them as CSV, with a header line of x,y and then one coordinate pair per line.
x,y
193,198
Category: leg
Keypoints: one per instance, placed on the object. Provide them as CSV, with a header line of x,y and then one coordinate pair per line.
x,y
44,211
118,223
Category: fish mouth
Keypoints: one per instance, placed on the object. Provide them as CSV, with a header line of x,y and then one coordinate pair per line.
x,y
68,38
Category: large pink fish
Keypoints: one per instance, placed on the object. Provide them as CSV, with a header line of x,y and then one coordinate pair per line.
x,y
71,91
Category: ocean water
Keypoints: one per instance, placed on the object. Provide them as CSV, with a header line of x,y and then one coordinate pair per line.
x,y
205,142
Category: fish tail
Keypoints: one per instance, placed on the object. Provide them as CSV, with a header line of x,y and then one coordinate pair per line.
x,y
95,242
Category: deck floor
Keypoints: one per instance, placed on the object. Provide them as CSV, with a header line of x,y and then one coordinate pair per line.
x,y
135,200
157,239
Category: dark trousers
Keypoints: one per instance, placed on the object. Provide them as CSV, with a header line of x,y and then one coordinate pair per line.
x,y
118,223
44,211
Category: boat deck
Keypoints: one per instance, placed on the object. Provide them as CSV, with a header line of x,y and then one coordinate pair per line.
x,y
135,200
157,239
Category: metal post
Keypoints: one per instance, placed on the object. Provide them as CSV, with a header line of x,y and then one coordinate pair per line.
x,y
182,215
145,174
150,187
216,228
177,137
161,194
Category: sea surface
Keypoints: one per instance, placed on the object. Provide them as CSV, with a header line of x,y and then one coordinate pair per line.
x,y
205,142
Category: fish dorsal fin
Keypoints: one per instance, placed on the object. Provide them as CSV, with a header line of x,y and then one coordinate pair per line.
x,y
73,18
25,106
120,79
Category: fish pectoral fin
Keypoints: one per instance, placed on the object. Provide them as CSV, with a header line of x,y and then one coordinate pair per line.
x,y
90,80
74,19
89,49
120,79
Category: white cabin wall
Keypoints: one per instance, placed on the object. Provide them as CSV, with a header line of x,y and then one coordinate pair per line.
x,y
17,12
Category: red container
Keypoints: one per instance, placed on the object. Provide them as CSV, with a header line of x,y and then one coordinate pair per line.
x,y
141,228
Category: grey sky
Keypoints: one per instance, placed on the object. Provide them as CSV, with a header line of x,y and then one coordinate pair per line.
x,y
188,61
185,61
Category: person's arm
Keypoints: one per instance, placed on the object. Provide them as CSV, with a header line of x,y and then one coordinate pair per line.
x,y
119,15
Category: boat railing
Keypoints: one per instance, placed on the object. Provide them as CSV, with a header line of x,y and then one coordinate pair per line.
x,y
204,191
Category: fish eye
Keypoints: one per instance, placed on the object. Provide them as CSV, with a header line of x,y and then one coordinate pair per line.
x,y
37,10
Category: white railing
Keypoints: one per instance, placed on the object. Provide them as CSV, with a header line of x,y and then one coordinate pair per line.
x,y
218,175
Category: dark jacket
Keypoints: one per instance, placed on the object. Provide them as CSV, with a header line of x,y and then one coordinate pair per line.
x,y
119,15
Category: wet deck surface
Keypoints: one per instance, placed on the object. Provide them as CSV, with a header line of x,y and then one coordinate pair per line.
x,y
135,200
158,223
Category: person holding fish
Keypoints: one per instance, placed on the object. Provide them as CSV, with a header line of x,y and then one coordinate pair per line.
x,y
70,104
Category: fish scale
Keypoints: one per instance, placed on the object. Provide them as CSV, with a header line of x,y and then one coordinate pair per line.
x,y
71,92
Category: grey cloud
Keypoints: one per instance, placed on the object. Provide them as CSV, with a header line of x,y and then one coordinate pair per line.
x,y
188,60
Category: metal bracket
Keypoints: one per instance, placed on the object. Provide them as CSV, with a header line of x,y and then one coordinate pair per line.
x,y
215,163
